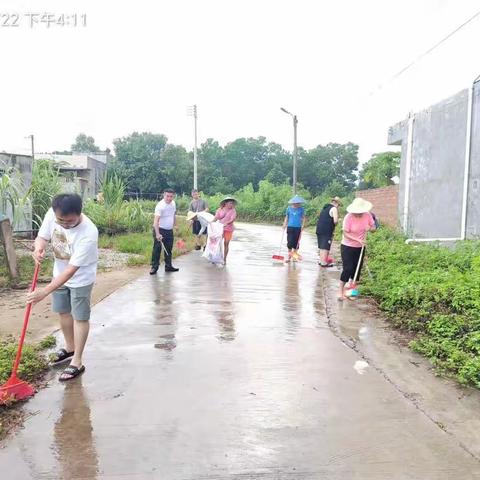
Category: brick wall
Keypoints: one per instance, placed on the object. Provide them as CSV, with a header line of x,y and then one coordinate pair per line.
x,y
385,203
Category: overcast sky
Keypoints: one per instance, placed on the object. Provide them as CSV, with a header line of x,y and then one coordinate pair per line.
x,y
138,64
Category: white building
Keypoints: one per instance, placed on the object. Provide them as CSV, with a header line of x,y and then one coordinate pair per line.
x,y
81,172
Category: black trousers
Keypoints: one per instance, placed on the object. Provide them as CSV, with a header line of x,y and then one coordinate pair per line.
x,y
157,248
350,257
293,236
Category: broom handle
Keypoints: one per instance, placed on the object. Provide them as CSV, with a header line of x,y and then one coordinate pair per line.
x,y
25,322
358,264
299,238
281,242
164,249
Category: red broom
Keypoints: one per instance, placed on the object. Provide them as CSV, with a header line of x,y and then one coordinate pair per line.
x,y
15,389
278,257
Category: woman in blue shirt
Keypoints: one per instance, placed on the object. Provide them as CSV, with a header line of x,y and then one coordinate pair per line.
x,y
294,223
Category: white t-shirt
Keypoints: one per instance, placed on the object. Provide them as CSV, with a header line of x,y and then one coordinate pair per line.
x,y
76,246
166,211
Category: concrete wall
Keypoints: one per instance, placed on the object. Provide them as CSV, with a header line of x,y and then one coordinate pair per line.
x,y
385,203
437,169
473,211
23,165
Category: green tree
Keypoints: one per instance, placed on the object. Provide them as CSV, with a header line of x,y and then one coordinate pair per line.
x,y
210,159
246,161
138,161
177,168
324,164
84,144
276,176
379,170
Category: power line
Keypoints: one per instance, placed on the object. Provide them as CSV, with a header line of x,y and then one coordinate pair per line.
x,y
427,52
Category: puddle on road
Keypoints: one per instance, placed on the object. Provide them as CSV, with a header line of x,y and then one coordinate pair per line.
x,y
360,366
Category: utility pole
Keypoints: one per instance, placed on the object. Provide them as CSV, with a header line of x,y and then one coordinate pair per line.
x,y
192,111
295,153
195,158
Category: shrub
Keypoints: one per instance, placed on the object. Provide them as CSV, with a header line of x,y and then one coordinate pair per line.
x,y
269,202
113,215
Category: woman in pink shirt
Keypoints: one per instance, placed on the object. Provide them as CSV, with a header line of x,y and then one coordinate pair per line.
x,y
227,214
356,224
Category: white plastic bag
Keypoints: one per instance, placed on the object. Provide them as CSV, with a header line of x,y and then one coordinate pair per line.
x,y
214,248
204,218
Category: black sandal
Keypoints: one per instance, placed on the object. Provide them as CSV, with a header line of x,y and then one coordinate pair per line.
x,y
72,371
61,356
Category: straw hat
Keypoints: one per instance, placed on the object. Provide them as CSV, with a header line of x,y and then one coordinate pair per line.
x,y
337,199
359,205
228,199
296,199
191,215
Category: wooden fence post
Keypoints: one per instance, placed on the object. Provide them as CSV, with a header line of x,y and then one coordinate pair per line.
x,y
6,236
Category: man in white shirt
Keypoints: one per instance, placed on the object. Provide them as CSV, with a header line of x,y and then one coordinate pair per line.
x,y
164,223
74,240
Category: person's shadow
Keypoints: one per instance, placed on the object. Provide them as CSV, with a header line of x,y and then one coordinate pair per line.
x,y
164,315
74,444
292,302
224,312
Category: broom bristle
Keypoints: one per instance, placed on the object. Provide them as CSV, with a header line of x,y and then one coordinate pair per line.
x,y
15,389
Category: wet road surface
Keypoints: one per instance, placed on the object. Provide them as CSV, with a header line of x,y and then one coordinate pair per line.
x,y
228,374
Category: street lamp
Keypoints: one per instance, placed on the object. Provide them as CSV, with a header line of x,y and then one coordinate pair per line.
x,y
295,158
192,111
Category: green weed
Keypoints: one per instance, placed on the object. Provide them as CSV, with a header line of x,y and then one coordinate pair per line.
x,y
434,292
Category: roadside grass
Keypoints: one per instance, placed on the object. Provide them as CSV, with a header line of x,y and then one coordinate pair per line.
x,y
33,365
434,292
141,243
25,265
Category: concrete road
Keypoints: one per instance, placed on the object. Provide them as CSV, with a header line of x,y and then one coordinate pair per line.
x,y
228,374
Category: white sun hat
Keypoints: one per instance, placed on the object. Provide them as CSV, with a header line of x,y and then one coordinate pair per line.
x,y
191,216
359,205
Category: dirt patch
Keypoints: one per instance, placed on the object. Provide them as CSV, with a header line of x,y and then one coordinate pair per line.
x,y
113,274
43,321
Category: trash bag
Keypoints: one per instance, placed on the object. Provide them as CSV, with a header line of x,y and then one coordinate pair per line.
x,y
214,248
204,218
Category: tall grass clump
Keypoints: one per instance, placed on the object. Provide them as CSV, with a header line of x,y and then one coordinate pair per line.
x,y
45,185
13,198
113,215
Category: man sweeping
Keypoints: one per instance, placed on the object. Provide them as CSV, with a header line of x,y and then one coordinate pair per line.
x,y
164,223
74,240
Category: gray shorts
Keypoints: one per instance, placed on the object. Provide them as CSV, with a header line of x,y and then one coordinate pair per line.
x,y
74,300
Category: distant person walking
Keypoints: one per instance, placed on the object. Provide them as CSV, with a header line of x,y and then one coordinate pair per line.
x,y
356,224
74,241
294,222
227,214
326,223
198,205
164,224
